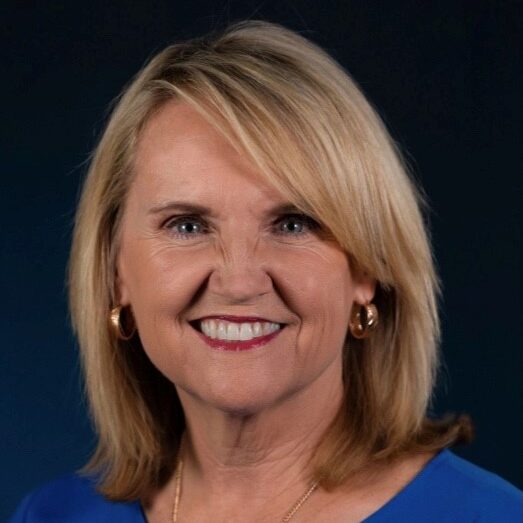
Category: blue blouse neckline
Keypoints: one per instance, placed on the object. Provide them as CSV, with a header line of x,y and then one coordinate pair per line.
x,y
399,497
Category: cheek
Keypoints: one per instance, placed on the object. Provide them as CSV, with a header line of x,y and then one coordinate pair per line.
x,y
159,278
323,295
160,285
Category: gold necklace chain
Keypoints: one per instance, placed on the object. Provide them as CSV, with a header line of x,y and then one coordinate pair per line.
x,y
290,514
300,502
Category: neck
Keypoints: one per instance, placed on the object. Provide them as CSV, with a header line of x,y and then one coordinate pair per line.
x,y
261,456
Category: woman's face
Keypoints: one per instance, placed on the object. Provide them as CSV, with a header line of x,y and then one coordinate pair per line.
x,y
241,259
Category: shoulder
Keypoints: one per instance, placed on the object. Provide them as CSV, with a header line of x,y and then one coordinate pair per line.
x,y
451,488
73,499
483,492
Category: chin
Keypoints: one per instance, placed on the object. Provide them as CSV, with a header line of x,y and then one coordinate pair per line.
x,y
239,403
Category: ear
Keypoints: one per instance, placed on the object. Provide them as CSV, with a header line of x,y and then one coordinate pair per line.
x,y
365,288
121,290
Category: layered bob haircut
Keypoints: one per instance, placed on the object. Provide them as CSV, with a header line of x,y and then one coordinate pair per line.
x,y
293,111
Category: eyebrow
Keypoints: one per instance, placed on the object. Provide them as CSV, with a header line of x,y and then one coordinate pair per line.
x,y
195,208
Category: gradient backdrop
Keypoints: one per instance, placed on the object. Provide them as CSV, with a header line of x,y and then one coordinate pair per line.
x,y
445,76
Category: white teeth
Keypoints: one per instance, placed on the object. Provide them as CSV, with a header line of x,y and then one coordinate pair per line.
x,y
221,333
225,330
267,328
233,332
257,329
246,332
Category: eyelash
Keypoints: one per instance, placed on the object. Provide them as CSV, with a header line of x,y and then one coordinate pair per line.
x,y
303,218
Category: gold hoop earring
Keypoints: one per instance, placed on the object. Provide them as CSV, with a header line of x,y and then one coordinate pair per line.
x,y
364,320
116,324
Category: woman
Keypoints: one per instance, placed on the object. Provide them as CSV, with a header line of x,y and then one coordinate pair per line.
x,y
255,299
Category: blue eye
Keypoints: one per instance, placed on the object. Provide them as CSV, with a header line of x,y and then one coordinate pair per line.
x,y
183,220
299,219
194,225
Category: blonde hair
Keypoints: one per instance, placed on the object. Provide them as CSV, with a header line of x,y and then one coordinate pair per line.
x,y
296,113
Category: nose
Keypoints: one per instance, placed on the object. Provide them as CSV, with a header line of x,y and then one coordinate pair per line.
x,y
240,269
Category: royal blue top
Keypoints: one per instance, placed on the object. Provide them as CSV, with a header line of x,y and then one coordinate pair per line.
x,y
448,489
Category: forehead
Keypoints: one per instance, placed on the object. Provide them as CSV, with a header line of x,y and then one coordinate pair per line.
x,y
178,148
175,129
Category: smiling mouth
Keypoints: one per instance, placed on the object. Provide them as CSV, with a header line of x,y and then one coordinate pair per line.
x,y
235,345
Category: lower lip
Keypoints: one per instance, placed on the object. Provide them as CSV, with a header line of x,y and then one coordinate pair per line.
x,y
238,345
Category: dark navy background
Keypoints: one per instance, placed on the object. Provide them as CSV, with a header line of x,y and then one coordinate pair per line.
x,y
446,77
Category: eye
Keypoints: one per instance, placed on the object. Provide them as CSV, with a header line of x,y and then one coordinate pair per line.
x,y
297,219
184,226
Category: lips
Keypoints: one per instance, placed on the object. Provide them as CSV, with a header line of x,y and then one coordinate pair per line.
x,y
236,319
234,345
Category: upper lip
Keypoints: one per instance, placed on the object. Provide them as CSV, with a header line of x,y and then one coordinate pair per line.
x,y
236,319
